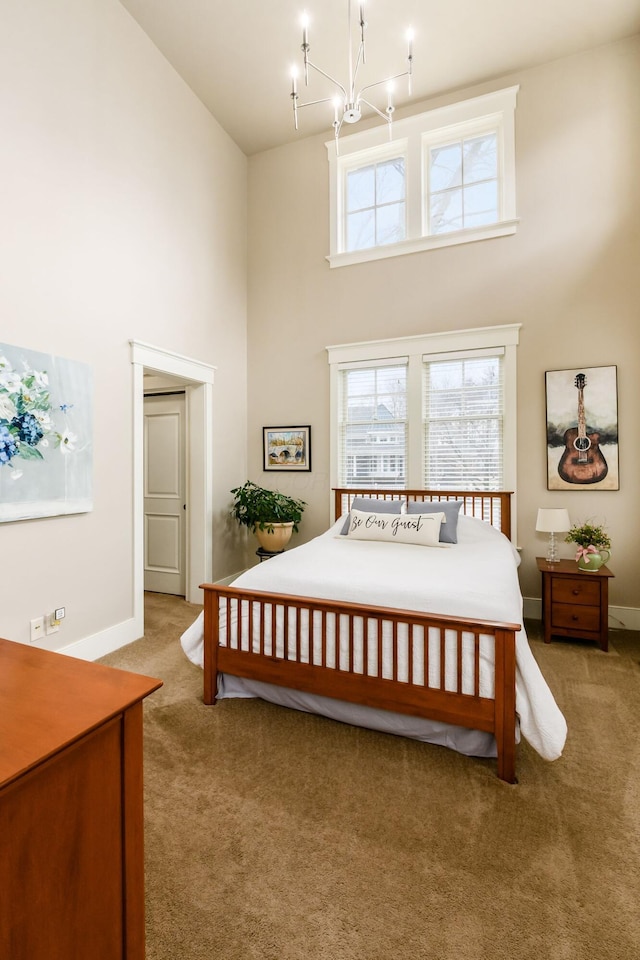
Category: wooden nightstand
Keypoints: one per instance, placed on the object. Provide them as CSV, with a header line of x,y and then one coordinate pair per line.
x,y
575,603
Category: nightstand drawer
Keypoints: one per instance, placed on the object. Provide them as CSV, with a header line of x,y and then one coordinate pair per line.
x,y
571,617
575,590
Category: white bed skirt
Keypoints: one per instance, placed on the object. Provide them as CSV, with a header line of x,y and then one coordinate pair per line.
x,y
472,743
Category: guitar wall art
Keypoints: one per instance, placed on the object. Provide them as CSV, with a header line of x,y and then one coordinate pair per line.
x,y
582,429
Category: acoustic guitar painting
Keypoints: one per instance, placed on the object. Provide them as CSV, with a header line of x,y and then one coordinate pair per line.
x,y
582,460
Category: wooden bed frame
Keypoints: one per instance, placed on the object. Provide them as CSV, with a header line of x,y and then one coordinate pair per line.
x,y
226,654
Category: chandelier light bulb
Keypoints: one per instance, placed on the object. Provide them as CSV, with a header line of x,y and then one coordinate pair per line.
x,y
410,38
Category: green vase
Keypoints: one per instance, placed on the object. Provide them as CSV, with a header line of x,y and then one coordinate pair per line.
x,y
593,561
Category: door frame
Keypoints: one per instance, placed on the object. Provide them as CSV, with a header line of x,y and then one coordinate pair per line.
x,y
197,378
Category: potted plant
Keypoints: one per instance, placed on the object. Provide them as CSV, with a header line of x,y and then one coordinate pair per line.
x,y
272,516
593,544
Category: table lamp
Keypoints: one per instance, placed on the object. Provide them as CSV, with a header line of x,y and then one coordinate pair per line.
x,y
553,520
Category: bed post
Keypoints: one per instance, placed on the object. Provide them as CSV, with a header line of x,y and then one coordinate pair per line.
x,y
505,514
211,631
505,703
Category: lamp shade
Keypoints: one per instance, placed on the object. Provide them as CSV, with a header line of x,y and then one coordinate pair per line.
x,y
553,520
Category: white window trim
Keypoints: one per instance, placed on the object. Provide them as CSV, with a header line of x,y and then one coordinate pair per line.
x,y
369,352
414,135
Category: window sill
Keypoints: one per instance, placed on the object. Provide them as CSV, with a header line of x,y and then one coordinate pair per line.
x,y
505,228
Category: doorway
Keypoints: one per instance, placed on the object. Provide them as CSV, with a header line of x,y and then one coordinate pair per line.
x,y
196,379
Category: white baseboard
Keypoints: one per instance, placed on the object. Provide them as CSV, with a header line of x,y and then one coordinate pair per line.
x,y
100,644
620,618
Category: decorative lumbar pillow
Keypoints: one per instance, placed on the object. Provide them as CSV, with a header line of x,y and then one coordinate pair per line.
x,y
451,510
370,504
422,529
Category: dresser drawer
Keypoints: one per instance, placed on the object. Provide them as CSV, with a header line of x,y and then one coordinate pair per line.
x,y
575,590
571,617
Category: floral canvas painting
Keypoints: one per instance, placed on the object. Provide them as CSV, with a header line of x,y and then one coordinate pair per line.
x,y
46,421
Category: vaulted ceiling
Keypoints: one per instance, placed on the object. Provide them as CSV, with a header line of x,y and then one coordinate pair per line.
x,y
237,56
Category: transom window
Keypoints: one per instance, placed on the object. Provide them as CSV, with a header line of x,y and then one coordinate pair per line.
x,y
463,184
375,204
447,177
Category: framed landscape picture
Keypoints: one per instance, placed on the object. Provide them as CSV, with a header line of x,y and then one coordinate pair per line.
x,y
287,449
582,429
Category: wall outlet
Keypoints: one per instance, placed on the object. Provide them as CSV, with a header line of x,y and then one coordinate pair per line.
x,y
37,629
51,624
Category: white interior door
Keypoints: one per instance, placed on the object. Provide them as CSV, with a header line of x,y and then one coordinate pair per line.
x,y
164,494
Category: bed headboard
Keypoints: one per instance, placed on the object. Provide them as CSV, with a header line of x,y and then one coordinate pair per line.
x,y
493,506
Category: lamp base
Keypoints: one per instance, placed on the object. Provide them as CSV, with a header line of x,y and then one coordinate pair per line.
x,y
552,556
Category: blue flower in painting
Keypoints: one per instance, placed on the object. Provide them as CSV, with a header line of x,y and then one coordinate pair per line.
x,y
29,429
25,415
8,448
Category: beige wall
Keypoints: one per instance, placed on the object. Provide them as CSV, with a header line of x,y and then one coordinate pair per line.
x,y
570,276
123,215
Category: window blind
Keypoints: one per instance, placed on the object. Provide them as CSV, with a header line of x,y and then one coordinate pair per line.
x,y
463,406
372,425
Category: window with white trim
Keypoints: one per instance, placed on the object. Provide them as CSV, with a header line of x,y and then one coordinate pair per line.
x,y
436,411
447,177
372,425
463,405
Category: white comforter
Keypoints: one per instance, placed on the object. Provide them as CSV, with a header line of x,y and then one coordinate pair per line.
x,y
477,577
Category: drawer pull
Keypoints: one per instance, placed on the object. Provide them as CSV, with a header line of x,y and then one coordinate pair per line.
x,y
575,593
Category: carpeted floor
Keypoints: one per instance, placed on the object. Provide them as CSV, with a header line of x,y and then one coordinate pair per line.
x,y
274,835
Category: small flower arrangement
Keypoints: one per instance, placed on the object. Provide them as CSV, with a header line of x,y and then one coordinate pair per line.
x,y
26,416
590,538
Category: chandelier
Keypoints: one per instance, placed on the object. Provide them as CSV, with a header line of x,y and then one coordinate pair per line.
x,y
349,100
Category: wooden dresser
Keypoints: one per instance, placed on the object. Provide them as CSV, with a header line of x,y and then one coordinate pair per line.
x,y
71,813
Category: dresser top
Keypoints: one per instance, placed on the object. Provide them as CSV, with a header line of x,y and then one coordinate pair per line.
x,y
49,700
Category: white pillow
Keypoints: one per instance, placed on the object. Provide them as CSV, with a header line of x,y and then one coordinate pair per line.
x,y
419,528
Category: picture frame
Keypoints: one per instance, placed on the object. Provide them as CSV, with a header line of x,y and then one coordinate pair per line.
x,y
582,429
287,449
46,435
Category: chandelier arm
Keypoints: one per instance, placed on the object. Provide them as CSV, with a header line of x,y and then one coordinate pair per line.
x,y
311,103
385,116
328,77
398,76
360,59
